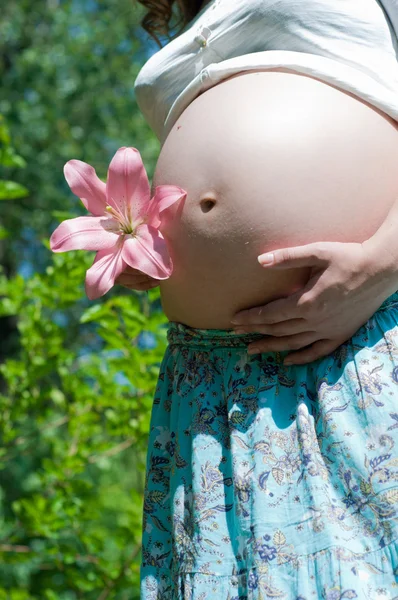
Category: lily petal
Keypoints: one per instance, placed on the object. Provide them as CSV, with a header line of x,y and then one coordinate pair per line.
x,y
85,233
107,266
127,185
84,182
165,196
147,251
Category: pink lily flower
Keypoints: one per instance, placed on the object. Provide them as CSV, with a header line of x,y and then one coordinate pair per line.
x,y
124,222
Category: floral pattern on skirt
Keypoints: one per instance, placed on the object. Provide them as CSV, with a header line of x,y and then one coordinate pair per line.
x,y
272,481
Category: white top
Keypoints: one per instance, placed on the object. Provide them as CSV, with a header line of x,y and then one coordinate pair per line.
x,y
351,44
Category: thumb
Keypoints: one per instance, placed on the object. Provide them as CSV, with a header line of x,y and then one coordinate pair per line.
x,y
310,255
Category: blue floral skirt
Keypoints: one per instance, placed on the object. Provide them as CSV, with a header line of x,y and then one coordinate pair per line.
x,y
271,481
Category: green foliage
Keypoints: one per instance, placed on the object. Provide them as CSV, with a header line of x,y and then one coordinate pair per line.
x,y
76,383
67,70
10,190
9,158
73,429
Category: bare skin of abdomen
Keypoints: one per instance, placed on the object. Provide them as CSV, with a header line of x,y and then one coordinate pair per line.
x,y
269,159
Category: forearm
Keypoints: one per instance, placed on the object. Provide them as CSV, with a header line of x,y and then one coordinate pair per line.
x,y
383,246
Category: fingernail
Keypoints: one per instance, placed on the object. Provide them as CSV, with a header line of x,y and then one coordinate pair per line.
x,y
288,362
266,259
239,330
236,321
253,350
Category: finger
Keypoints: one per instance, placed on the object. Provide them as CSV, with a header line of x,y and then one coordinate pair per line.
x,y
131,279
290,342
131,271
310,255
140,286
289,327
293,307
317,350
260,315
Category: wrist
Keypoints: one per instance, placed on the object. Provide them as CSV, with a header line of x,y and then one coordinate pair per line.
x,y
381,260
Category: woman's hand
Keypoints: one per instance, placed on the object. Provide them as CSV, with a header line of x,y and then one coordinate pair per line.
x,y
348,283
136,280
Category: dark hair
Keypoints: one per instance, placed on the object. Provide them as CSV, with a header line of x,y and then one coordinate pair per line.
x,y
160,12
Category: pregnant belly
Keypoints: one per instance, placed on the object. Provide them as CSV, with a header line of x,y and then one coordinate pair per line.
x,y
268,159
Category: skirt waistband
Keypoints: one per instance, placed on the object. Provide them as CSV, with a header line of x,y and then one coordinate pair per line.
x,y
180,334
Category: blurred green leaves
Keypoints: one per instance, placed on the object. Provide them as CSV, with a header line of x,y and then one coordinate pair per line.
x,y
67,71
9,158
76,383
10,190
73,431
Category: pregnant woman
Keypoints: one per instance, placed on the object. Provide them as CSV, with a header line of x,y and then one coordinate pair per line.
x,y
267,479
